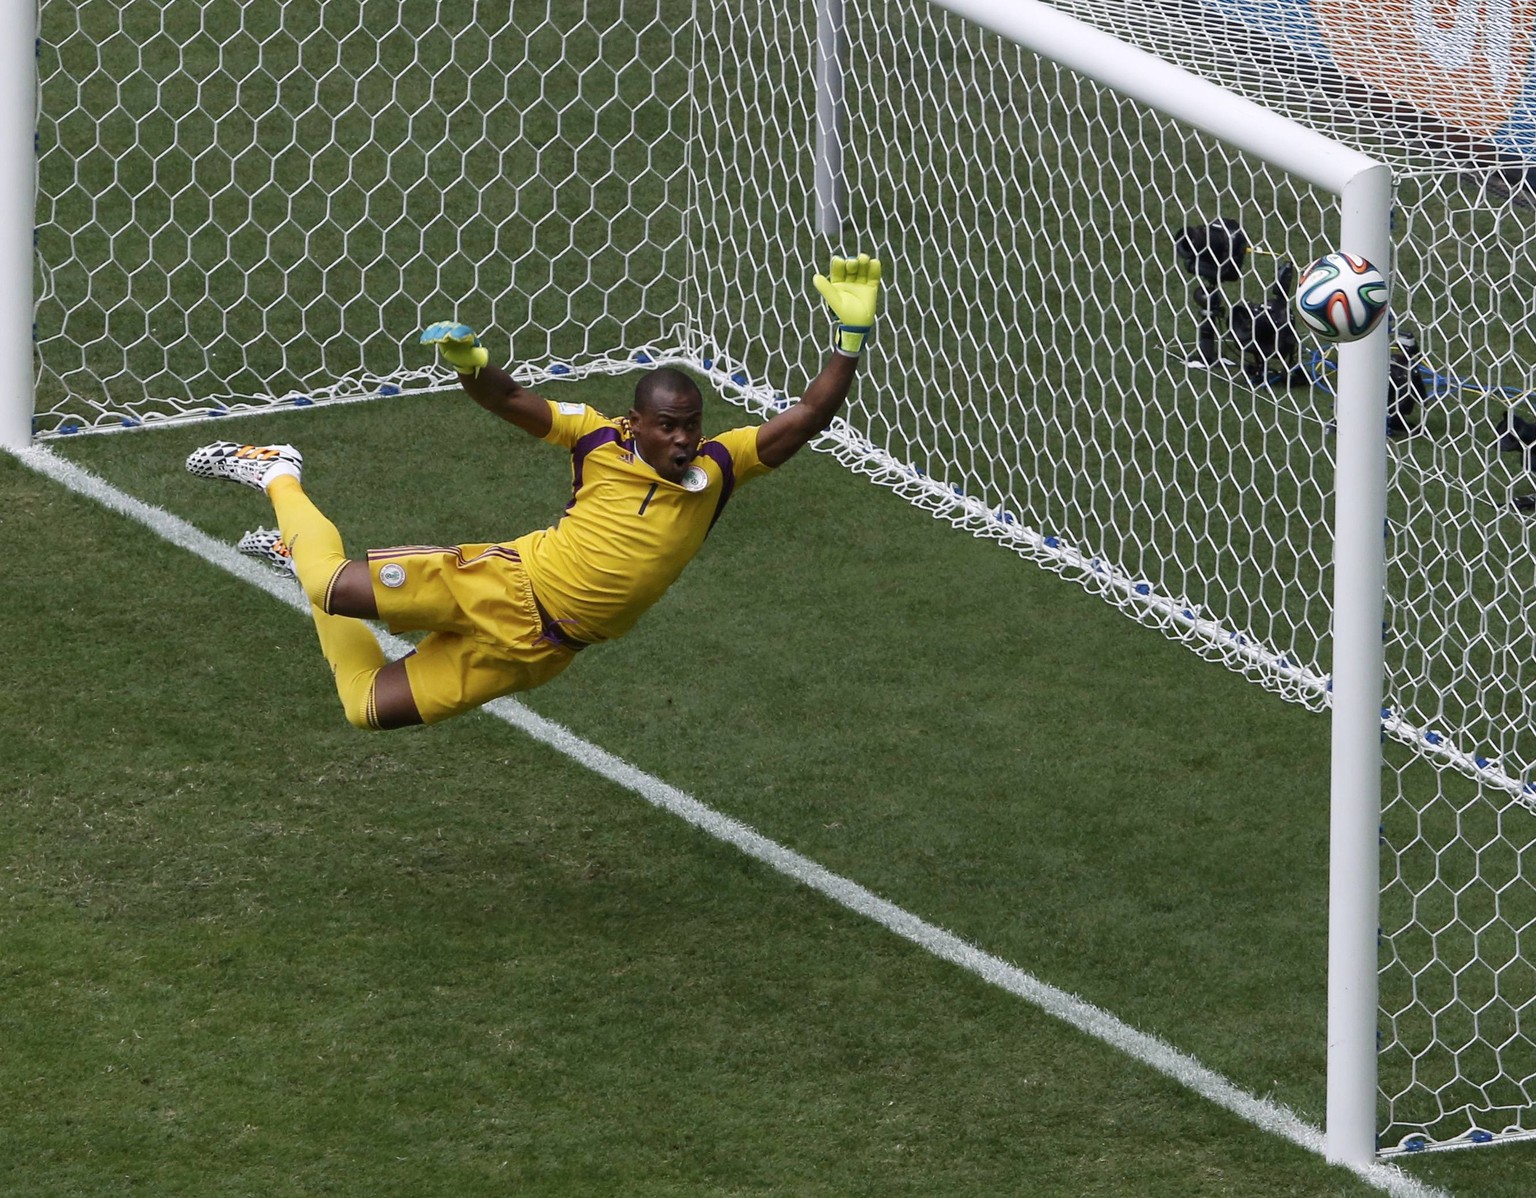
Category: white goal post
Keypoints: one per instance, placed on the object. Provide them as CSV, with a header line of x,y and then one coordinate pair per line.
x,y
1364,190
18,165
246,208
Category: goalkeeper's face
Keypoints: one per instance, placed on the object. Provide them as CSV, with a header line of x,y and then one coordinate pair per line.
x,y
667,428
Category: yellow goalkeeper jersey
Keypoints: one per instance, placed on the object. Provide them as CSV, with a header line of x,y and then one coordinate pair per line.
x,y
627,532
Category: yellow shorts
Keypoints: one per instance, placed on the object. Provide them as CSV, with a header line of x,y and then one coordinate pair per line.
x,y
487,636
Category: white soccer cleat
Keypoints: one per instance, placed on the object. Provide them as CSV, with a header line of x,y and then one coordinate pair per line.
x,y
268,545
253,465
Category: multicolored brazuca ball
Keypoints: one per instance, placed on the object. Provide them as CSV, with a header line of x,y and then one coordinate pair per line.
x,y
1341,297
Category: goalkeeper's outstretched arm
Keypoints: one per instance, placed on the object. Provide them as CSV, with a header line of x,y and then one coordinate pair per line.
x,y
489,386
852,292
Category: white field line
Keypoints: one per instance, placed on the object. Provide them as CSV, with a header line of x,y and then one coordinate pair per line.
x,y
1150,1050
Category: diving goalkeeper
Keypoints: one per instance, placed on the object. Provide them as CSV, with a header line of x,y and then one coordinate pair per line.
x,y
645,490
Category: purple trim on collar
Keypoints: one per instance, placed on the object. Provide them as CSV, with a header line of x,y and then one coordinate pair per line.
x,y
579,452
721,457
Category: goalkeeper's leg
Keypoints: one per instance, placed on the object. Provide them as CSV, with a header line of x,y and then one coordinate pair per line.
x,y
375,693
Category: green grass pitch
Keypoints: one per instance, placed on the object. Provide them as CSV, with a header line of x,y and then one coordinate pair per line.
x,y
249,950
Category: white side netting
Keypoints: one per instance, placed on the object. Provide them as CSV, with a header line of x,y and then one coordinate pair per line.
x,y
244,205
1444,102
982,403
1459,923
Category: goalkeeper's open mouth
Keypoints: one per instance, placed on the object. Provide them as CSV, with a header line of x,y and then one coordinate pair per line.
x,y
674,466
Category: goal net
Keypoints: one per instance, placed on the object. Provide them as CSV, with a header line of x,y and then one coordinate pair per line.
x,y
1440,95
247,207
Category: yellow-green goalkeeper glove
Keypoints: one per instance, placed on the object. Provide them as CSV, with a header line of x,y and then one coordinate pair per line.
x,y
853,293
458,344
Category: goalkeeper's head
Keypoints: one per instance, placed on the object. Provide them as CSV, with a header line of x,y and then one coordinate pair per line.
x,y
667,422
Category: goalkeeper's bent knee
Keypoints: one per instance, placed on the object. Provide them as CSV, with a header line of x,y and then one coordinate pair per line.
x,y
357,700
355,658
355,664
319,580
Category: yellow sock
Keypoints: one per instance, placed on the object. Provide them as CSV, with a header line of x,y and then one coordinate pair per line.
x,y
350,647
316,546
356,658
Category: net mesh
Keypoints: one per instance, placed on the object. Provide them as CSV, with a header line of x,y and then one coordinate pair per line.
x,y
246,206
243,204
1439,95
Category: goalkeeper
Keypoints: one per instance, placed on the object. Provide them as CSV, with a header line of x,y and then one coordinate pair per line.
x,y
646,489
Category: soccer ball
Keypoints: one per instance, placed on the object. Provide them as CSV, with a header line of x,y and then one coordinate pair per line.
x,y
1341,297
